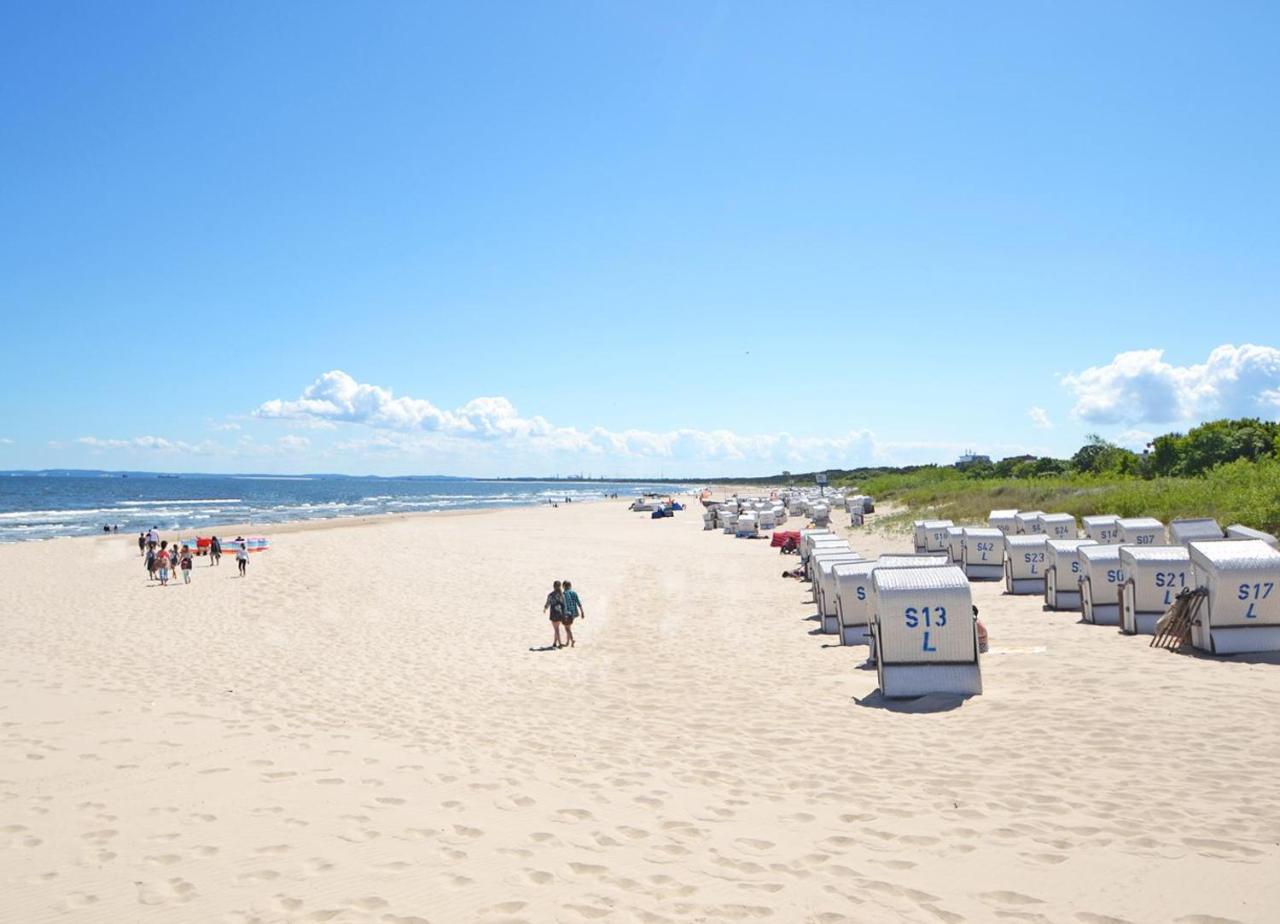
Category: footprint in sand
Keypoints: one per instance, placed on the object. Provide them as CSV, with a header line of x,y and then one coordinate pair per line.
x,y
171,891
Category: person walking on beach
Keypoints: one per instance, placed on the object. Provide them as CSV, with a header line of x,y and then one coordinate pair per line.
x,y
142,543
555,604
162,564
215,552
150,562
572,610
185,564
153,539
242,558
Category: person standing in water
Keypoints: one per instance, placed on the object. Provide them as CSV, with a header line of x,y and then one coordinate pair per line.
x,y
572,610
555,604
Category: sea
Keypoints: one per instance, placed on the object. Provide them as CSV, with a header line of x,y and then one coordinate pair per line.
x,y
46,506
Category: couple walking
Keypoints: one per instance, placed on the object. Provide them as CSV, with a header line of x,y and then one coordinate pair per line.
x,y
565,606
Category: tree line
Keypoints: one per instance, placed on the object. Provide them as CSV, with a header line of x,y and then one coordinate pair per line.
x,y
1195,452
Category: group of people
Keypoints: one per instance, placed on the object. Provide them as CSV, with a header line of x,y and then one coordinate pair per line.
x,y
160,558
564,605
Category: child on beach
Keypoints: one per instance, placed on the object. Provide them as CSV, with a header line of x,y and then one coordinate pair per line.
x,y
150,563
242,558
185,564
162,564
215,551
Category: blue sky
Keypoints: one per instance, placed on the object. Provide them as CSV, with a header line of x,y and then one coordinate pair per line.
x,y
501,238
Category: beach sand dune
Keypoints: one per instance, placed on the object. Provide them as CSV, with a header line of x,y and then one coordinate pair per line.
x,y
369,729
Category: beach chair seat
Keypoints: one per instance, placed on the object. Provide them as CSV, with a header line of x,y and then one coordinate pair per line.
x,y
1153,578
1101,575
1025,560
983,553
1241,612
924,632
1062,574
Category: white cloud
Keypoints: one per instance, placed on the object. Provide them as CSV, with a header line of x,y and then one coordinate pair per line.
x,y
152,443
415,425
1139,386
5,441
292,443
226,427
1040,418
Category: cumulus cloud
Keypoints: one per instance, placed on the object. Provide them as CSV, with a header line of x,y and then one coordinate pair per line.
x,y
1040,418
5,441
414,425
1139,386
150,443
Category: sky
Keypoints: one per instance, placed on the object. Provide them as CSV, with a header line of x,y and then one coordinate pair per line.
x,y
630,239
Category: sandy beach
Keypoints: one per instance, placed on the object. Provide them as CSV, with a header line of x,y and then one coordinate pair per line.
x,y
367,729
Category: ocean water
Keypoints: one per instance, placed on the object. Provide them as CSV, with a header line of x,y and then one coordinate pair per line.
x,y
46,506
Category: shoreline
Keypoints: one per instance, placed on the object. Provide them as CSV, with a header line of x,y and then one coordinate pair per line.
x,y
286,527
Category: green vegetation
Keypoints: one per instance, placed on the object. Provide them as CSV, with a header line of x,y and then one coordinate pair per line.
x,y
1226,469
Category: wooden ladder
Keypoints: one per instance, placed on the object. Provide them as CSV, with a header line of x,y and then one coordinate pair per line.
x,y
1173,631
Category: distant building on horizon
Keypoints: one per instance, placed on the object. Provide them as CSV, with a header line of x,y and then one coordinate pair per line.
x,y
972,458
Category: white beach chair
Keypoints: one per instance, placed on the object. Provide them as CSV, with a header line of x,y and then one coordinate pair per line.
x,y
852,581
955,543
1182,532
983,553
924,633
1153,576
1242,610
1027,522
1058,525
1240,531
729,518
1103,528
820,542
747,527
824,587
1003,520
1025,560
708,519
1062,577
1140,531
1100,578
765,519
917,528
935,535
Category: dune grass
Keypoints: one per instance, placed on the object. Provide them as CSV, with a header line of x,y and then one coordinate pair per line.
x,y
1239,492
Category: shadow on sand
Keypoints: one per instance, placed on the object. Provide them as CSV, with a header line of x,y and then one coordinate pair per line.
x,y
920,705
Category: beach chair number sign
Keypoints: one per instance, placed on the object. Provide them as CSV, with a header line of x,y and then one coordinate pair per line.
x,y
926,618
1146,539
1252,593
1034,559
984,549
1172,581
